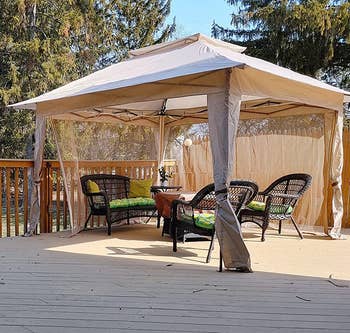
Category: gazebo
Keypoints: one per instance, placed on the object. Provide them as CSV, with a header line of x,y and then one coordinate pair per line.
x,y
194,80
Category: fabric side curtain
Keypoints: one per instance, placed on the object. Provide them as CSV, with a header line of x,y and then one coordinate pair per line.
x,y
266,152
85,147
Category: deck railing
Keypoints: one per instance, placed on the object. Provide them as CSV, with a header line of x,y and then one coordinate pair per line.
x,y
14,203
346,178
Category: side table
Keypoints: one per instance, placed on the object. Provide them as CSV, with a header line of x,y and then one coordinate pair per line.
x,y
163,188
163,203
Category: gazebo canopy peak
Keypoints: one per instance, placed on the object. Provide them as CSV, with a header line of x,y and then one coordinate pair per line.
x,y
167,46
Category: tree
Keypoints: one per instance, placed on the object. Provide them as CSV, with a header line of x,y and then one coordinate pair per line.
x,y
47,43
35,56
135,24
309,36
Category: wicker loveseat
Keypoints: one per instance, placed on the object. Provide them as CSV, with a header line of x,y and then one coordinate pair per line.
x,y
110,198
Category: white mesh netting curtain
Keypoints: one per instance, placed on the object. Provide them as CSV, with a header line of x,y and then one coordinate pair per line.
x,y
92,147
266,150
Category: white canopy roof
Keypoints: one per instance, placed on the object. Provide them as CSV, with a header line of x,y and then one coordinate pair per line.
x,y
191,66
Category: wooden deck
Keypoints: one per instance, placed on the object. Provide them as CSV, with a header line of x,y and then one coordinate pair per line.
x,y
132,282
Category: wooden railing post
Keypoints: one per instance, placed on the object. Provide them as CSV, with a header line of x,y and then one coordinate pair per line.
x,y
44,198
346,177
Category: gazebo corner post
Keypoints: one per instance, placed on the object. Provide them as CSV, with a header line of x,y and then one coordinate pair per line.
x,y
223,118
161,141
161,134
35,202
336,177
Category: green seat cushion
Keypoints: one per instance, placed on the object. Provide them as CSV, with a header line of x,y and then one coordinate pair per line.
x,y
256,205
204,220
119,203
131,202
281,209
260,206
140,201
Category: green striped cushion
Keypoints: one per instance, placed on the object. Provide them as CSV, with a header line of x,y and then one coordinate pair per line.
x,y
260,206
141,201
281,209
256,205
119,203
131,202
204,220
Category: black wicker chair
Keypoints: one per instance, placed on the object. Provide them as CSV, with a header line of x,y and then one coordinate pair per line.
x,y
280,199
112,187
240,192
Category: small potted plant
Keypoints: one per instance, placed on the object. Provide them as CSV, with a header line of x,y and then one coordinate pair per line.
x,y
164,176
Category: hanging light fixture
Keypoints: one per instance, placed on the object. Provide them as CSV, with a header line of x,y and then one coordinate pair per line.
x,y
188,142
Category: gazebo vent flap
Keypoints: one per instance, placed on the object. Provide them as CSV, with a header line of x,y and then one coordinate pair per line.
x,y
140,89
159,48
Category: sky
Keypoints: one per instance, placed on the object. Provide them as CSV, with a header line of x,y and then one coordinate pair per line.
x,y
194,16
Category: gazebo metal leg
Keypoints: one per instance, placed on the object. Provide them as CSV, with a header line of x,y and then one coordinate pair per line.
x,y
85,225
174,235
163,229
149,218
220,262
279,226
263,234
211,248
109,223
297,228
264,226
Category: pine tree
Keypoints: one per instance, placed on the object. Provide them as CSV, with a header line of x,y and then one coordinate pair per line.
x,y
47,43
308,36
32,56
135,24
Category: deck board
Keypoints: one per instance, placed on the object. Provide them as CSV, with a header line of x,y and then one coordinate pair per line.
x,y
133,282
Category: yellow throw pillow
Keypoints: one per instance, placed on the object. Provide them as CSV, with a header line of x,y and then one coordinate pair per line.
x,y
92,187
140,188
